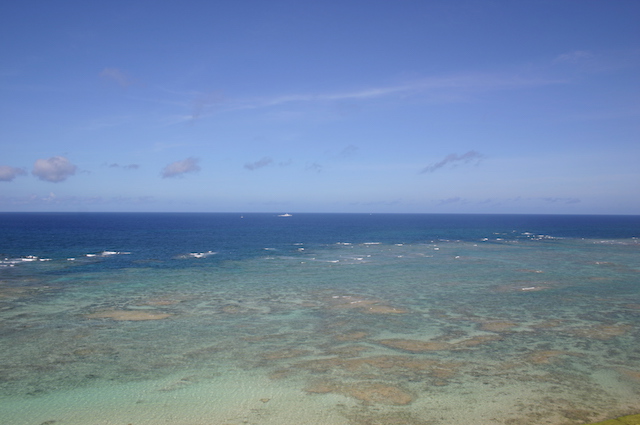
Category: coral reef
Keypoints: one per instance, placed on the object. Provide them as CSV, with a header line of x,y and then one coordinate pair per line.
x,y
363,304
128,315
623,420
367,392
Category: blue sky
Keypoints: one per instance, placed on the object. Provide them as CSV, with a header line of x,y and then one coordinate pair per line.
x,y
333,106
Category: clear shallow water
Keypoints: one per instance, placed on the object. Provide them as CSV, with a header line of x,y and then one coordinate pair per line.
x,y
190,319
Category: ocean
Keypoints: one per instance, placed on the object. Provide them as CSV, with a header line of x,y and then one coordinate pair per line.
x,y
323,319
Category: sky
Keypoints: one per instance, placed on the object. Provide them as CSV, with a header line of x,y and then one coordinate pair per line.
x,y
404,106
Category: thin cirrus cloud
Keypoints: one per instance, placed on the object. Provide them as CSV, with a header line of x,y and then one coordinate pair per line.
x,y
117,76
562,200
266,161
8,173
437,88
424,86
453,159
263,162
574,57
54,169
204,100
348,152
124,167
179,168
314,166
452,200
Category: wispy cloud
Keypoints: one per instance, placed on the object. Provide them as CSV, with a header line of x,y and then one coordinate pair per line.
x,y
8,173
562,200
54,169
575,56
348,152
204,100
117,76
597,62
53,199
314,166
453,159
179,168
192,104
263,162
424,86
452,200
124,167
379,203
452,88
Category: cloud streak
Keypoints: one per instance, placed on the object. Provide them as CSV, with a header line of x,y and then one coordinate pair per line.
x,y
54,169
452,200
204,100
451,88
575,56
125,167
263,162
8,173
453,159
314,166
117,76
424,86
348,152
179,168
562,200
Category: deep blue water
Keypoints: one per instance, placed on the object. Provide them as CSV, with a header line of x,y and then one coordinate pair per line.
x,y
239,235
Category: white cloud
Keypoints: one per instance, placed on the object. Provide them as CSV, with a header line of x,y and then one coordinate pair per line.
x,y
179,168
54,169
453,159
8,173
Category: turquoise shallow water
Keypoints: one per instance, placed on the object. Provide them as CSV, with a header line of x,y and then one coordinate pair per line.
x,y
324,325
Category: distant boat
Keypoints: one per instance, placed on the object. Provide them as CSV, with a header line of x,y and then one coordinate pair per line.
x,y
285,215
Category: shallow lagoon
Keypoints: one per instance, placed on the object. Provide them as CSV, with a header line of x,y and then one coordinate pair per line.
x,y
510,328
